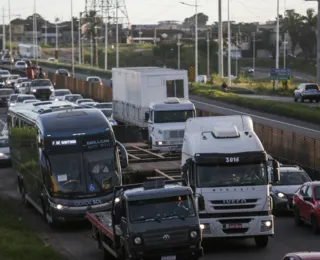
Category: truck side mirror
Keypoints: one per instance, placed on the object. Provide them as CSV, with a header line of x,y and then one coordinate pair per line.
x,y
276,171
146,116
123,155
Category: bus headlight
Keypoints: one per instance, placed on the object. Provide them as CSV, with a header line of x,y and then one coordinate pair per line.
x,y
137,241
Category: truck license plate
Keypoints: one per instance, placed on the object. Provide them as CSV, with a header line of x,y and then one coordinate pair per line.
x,y
234,225
171,257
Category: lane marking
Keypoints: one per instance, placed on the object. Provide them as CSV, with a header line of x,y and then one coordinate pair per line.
x,y
260,117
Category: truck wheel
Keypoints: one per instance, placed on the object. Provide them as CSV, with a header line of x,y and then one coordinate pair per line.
x,y
261,241
315,224
297,219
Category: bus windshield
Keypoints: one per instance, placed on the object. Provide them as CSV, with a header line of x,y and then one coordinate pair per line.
x,y
84,172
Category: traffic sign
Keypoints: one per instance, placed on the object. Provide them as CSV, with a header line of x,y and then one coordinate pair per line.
x,y
280,74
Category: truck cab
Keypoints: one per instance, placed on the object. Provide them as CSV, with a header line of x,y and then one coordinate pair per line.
x,y
225,164
166,123
156,219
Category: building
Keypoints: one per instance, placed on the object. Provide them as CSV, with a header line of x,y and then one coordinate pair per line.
x,y
18,28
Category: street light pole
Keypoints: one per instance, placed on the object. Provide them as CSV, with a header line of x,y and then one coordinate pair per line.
x,y
57,38
72,38
284,54
45,33
117,35
179,44
277,44
254,51
196,41
229,46
208,54
220,33
10,39
106,39
79,40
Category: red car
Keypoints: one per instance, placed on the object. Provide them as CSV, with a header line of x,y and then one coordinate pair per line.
x,y
302,256
306,205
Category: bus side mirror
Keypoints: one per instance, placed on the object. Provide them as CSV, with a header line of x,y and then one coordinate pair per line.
x,y
276,171
123,155
146,116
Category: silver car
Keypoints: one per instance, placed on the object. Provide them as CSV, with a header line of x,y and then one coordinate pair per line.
x,y
309,91
291,179
4,150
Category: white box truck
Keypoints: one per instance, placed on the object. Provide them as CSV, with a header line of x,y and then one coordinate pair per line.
x,y
225,164
155,99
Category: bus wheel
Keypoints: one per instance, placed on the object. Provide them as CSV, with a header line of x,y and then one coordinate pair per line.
x,y
24,197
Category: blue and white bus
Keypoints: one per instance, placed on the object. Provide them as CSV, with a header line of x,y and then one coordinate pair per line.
x,y
29,51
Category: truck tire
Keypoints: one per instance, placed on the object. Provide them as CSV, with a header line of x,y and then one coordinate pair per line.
x,y
261,241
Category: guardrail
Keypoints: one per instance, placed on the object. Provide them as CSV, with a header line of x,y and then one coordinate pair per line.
x,y
287,146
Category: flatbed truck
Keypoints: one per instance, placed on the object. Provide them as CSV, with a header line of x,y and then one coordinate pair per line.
x,y
153,220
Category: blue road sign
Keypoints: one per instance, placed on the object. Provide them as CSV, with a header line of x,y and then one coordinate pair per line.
x,y
280,74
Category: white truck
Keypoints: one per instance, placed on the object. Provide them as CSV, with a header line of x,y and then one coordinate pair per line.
x,y
225,164
156,100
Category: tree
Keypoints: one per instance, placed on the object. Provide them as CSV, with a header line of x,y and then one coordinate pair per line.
x,y
40,21
190,21
292,22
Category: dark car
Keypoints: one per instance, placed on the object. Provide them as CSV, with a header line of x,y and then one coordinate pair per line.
x,y
309,91
302,256
63,72
4,96
40,88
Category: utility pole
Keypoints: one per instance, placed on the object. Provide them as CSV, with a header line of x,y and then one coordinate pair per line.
x,y
254,51
91,48
179,45
3,29
45,33
196,42
10,39
277,43
117,34
155,37
72,39
79,40
106,38
208,54
220,33
237,44
229,46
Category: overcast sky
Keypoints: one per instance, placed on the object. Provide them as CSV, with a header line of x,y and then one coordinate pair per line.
x,y
151,11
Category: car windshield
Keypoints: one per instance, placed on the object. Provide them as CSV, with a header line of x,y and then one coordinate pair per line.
x,y
292,178
20,63
93,80
4,142
4,72
63,71
61,92
172,116
85,100
159,209
232,175
104,105
87,172
14,77
21,80
317,192
107,113
6,92
13,98
41,83
21,99
73,98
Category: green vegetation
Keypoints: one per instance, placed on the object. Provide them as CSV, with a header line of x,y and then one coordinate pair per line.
x,y
18,242
292,110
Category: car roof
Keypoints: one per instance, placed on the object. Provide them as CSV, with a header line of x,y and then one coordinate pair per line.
x,y
290,169
305,255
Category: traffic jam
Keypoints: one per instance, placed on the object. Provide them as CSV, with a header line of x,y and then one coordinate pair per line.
x,y
154,180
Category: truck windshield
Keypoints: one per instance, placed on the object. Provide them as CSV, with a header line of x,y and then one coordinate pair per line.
x,y
161,209
175,116
232,175
88,172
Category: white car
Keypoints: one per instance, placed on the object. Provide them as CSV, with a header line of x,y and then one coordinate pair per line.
x,y
12,100
12,80
52,60
20,65
58,94
84,100
19,83
31,101
4,149
94,80
72,97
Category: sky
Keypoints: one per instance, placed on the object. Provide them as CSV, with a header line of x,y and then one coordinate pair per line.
x,y
152,11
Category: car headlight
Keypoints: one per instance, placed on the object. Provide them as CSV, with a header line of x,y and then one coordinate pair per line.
x,y
281,195
34,90
193,234
1,154
56,99
158,143
137,241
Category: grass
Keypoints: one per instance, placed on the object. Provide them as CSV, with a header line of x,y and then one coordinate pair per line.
x,y
17,242
291,110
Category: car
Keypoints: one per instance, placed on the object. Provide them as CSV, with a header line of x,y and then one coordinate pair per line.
x,y
23,97
83,100
52,60
4,96
7,59
109,115
94,80
58,94
302,256
306,205
4,149
12,100
72,97
31,101
4,74
88,104
291,178
41,88
309,91
12,80
19,83
103,105
20,65
23,87
63,72
4,131
2,82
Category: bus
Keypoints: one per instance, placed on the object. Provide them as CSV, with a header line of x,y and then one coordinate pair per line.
x,y
66,158
29,51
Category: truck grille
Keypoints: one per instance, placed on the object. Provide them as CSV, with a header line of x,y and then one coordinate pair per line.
x,y
234,205
176,133
157,238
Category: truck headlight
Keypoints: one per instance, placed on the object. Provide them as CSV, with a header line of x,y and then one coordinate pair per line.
x,y
158,143
281,195
34,90
137,241
193,234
